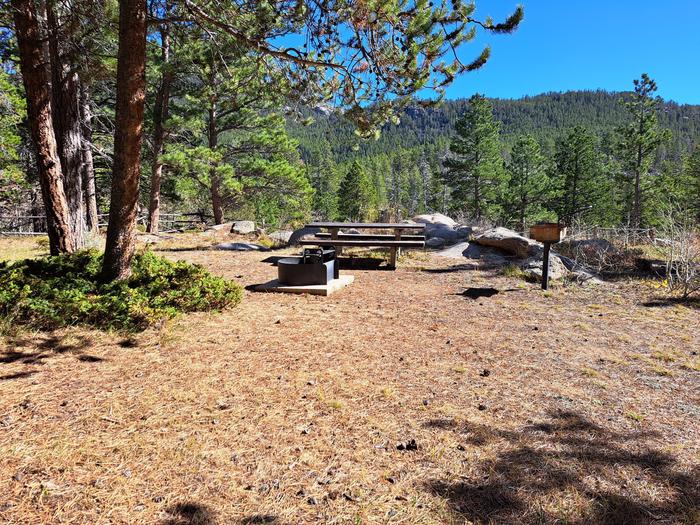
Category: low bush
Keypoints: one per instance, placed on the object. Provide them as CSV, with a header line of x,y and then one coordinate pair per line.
x,y
65,290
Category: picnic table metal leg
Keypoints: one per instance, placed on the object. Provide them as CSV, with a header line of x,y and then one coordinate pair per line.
x,y
334,235
397,236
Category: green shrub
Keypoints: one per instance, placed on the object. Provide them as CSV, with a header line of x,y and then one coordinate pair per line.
x,y
51,292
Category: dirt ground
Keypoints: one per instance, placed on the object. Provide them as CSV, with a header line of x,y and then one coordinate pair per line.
x,y
398,400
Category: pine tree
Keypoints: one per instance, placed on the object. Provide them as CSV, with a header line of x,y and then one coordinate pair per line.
x,y
474,167
692,176
578,174
528,182
356,195
324,179
637,146
12,109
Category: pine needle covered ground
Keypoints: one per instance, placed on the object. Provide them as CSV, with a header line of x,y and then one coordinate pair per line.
x,y
397,400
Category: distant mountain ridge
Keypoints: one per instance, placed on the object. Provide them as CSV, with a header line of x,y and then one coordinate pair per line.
x,y
546,116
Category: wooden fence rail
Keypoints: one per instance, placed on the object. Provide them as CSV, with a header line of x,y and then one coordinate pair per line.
x,y
27,225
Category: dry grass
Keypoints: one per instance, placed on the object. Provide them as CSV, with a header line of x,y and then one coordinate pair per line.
x,y
291,409
16,248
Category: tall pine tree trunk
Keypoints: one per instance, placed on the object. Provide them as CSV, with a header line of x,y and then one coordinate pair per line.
x,y
34,60
160,115
639,161
215,182
67,126
128,136
89,188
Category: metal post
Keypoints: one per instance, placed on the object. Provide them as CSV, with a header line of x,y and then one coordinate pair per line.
x,y
545,265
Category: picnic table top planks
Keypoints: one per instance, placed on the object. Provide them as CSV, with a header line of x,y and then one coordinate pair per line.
x,y
367,225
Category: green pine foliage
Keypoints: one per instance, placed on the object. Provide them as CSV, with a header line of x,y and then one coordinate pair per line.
x,y
12,111
237,148
528,184
637,148
356,196
66,290
691,173
474,169
579,182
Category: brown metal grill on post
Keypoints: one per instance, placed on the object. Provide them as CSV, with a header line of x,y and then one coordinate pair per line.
x,y
547,233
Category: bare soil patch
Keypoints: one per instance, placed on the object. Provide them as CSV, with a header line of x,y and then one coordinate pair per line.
x,y
401,399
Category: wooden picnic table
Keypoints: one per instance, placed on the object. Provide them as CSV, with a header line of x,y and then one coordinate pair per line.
x,y
394,242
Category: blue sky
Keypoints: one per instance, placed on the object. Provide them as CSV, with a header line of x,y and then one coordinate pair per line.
x,y
588,44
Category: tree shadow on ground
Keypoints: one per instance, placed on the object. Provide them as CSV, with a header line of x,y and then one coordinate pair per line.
x,y
599,476
259,519
48,347
189,513
665,302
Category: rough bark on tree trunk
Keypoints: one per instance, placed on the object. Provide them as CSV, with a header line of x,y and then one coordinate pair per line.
x,y
128,135
33,55
215,181
160,115
67,127
89,188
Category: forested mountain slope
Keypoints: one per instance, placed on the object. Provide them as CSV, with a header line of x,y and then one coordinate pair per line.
x,y
545,116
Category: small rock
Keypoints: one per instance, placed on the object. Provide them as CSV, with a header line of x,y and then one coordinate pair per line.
x,y
49,485
311,501
243,227
222,405
18,476
126,473
408,445
140,507
482,407
391,513
461,448
281,236
158,499
485,373
221,227
426,402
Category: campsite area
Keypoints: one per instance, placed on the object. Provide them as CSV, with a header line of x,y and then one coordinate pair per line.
x,y
400,399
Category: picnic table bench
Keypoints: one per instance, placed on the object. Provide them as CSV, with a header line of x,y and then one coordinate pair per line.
x,y
394,241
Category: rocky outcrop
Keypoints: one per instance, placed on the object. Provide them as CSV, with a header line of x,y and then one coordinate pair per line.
x,y
225,226
509,241
440,230
281,236
242,227
532,267
435,218
300,234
